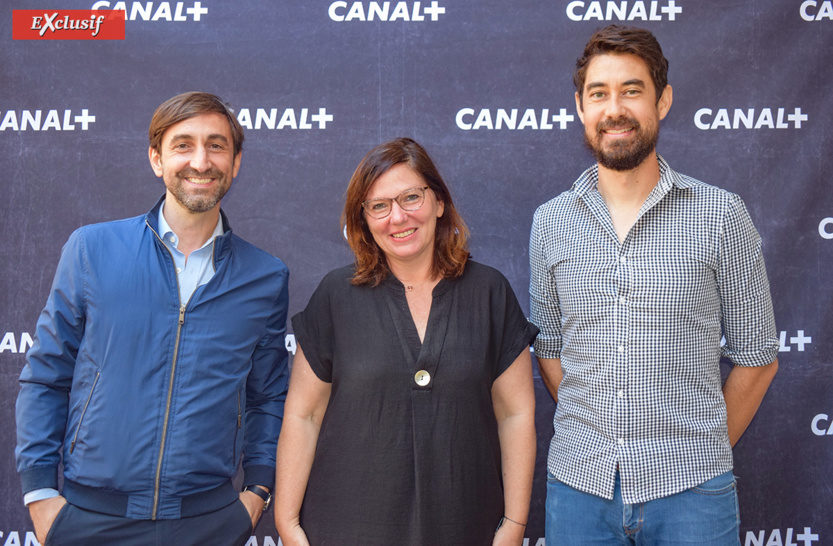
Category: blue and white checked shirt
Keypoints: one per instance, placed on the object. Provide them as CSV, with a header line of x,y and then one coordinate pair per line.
x,y
637,326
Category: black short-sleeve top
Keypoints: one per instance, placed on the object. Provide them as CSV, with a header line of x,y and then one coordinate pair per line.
x,y
408,451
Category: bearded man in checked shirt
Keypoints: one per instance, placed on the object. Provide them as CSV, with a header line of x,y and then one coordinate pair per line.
x,y
636,273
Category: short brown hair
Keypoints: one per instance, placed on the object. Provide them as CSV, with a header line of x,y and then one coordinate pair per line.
x,y
187,106
451,249
624,40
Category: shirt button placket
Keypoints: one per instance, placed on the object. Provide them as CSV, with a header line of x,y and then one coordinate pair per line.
x,y
621,355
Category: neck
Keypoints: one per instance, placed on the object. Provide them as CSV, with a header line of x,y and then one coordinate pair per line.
x,y
412,274
192,229
629,187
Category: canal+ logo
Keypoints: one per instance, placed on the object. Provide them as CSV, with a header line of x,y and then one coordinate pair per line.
x,y
812,10
513,119
623,10
289,118
156,11
385,11
46,120
749,118
822,425
790,537
826,228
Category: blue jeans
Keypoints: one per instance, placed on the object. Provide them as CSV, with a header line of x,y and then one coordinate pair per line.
x,y
706,514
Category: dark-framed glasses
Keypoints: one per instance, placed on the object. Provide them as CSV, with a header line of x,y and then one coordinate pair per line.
x,y
410,200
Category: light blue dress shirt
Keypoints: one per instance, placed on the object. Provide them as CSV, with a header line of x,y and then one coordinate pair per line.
x,y
199,268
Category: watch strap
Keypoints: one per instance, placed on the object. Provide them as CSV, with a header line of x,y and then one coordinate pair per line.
x,y
262,493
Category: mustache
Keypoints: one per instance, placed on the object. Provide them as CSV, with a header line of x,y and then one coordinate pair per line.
x,y
188,172
618,123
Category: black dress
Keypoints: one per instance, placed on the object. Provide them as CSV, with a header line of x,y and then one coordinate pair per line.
x,y
397,462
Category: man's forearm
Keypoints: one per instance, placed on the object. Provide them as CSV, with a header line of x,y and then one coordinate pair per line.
x,y
551,373
744,390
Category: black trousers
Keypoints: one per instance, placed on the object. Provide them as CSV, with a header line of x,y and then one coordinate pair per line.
x,y
74,526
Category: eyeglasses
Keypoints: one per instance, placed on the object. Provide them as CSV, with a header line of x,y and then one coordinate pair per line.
x,y
410,200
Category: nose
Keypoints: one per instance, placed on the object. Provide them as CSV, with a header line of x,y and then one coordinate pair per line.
x,y
199,160
397,214
615,107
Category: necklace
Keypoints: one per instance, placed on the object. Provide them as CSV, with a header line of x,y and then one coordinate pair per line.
x,y
412,287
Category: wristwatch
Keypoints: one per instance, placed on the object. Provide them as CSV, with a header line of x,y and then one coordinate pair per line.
x,y
262,493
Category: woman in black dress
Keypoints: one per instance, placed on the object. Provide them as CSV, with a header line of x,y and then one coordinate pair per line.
x,y
410,413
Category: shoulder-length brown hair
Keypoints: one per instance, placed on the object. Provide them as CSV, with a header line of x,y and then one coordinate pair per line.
x,y
451,248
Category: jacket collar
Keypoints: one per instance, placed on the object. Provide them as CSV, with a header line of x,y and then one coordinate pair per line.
x,y
222,244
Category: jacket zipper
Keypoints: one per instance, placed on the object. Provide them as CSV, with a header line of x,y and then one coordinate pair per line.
x,y
157,481
180,322
84,412
167,414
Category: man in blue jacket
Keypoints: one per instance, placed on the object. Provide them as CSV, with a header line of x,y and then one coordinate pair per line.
x,y
159,360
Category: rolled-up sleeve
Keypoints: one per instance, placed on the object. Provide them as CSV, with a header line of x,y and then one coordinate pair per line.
x,y
746,303
544,308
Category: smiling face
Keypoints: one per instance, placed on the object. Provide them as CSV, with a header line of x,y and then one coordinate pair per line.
x,y
405,237
196,161
619,110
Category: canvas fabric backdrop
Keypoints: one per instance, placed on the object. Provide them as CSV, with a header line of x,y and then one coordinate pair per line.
x,y
486,87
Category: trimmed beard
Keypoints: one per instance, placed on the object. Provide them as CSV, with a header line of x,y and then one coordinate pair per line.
x,y
202,202
624,155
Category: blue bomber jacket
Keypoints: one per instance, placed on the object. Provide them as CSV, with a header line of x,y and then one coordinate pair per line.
x,y
147,402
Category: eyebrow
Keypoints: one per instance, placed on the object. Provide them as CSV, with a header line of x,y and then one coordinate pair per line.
x,y
185,136
635,81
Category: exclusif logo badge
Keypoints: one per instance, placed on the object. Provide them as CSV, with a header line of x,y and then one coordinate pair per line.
x,y
67,24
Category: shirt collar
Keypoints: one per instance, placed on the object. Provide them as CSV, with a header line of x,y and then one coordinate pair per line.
x,y
165,230
668,178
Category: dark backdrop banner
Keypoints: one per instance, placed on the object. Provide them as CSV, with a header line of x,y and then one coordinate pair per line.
x,y
486,87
